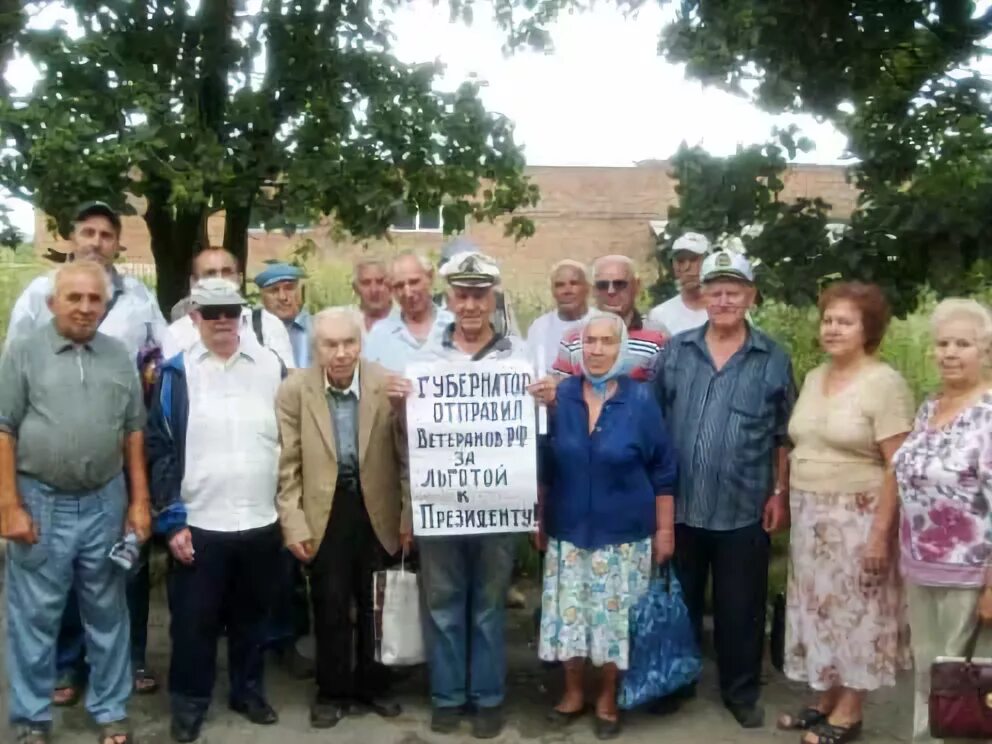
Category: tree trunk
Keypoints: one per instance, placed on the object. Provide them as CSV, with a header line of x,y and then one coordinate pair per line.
x,y
236,221
176,236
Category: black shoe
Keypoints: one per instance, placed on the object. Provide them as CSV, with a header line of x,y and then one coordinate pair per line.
x,y
257,711
487,723
326,715
606,729
185,729
380,706
560,718
748,716
445,720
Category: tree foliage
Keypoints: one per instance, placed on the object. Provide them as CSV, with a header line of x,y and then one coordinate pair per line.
x,y
277,111
898,78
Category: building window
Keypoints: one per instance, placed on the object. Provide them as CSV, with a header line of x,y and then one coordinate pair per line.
x,y
429,220
263,223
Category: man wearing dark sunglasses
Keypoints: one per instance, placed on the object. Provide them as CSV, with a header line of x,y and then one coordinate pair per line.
x,y
218,263
212,443
616,286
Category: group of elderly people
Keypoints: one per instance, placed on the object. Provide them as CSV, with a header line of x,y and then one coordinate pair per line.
x,y
278,492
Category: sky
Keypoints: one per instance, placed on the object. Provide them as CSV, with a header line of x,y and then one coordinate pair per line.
x,y
603,98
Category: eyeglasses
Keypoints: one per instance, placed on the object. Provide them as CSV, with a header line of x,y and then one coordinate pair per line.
x,y
218,312
612,285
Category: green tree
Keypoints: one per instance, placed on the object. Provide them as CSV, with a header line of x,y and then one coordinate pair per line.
x,y
281,115
739,196
898,78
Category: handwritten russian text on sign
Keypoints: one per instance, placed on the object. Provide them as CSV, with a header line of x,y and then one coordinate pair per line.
x,y
473,448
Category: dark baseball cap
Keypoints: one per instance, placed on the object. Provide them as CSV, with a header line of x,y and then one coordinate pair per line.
x,y
102,209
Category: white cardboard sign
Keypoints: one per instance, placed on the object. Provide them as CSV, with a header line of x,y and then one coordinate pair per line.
x,y
473,447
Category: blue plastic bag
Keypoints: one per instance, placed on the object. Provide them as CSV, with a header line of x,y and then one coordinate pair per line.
x,y
664,655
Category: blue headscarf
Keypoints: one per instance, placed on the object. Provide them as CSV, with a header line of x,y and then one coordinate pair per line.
x,y
600,382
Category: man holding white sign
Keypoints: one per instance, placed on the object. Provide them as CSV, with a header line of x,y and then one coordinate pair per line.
x,y
473,482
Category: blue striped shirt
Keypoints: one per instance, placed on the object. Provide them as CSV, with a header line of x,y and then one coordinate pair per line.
x,y
726,426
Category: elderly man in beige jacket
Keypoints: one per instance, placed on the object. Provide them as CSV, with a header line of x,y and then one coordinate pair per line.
x,y
343,504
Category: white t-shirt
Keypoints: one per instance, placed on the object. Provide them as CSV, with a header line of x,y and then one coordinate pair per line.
x,y
672,316
544,338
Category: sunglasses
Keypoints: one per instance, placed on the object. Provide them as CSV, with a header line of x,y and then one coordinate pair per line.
x,y
218,312
612,285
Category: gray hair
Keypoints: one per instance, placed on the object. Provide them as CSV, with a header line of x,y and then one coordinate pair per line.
x,y
974,312
422,261
347,315
568,263
365,262
615,258
85,267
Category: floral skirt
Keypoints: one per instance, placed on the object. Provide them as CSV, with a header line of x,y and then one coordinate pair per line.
x,y
587,598
842,628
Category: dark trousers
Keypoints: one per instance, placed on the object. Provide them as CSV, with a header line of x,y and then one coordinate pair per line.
x,y
737,560
70,652
341,573
290,617
229,585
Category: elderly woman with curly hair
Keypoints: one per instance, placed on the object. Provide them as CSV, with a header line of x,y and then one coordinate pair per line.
x,y
846,609
944,470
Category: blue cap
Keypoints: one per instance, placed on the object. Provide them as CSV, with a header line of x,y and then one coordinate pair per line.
x,y
279,272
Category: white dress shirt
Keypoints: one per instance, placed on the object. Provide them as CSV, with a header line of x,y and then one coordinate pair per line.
x,y
135,319
232,440
182,335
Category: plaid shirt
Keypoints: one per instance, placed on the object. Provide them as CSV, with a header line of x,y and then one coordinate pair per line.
x,y
726,426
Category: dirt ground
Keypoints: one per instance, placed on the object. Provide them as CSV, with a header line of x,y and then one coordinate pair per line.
x,y
532,690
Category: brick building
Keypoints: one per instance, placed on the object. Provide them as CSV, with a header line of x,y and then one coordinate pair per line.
x,y
584,212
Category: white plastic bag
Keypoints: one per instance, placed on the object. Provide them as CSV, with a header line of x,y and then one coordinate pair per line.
x,y
399,637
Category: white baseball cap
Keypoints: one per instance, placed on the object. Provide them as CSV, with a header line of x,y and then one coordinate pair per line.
x,y
726,265
692,242
215,291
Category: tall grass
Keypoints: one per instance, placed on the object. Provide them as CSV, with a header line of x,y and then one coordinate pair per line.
x,y
906,346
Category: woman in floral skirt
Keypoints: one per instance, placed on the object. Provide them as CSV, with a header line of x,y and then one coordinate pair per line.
x,y
944,471
606,515
846,611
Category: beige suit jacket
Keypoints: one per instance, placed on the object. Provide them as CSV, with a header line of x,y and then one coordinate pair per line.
x,y
308,467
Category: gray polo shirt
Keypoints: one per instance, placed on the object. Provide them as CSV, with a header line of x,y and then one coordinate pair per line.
x,y
70,407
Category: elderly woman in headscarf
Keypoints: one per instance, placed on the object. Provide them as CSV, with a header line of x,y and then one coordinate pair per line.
x,y
607,475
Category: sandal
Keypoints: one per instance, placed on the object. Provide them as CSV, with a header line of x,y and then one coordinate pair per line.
x,y
118,732
827,733
144,682
801,721
66,695
31,733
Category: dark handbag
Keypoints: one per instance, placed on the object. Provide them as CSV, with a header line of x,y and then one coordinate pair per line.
x,y
961,695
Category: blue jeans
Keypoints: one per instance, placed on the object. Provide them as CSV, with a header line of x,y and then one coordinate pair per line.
x,y
464,581
75,534
70,660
